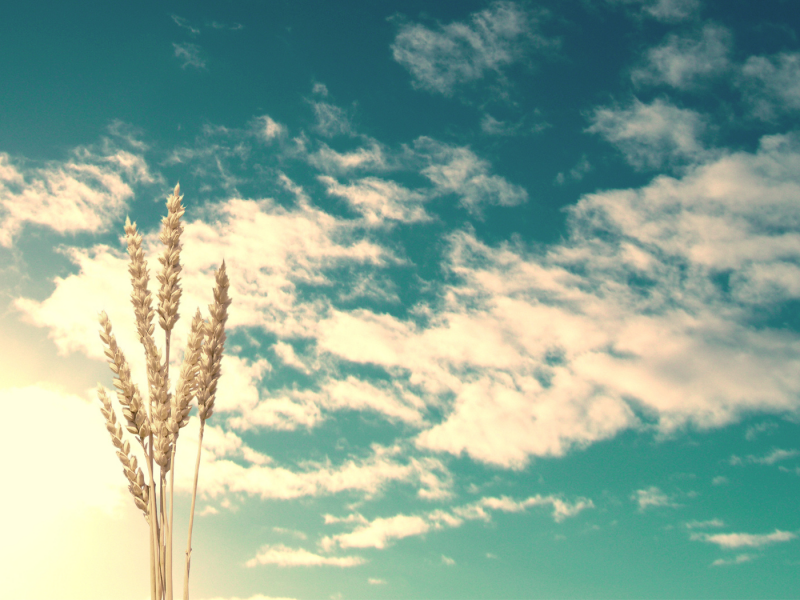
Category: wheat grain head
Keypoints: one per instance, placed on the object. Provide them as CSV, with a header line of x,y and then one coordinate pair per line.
x,y
133,473
211,360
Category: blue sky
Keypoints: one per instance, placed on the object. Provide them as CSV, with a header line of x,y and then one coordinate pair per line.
x,y
515,294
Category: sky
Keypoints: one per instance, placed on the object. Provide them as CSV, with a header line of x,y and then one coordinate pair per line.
x,y
515,294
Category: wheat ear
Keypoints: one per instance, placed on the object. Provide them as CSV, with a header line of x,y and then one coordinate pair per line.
x,y
210,371
142,304
132,471
169,297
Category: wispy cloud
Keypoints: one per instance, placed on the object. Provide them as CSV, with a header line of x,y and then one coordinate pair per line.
x,y
87,192
771,85
184,24
684,61
741,558
704,524
189,55
668,11
442,59
776,455
651,135
380,201
744,540
652,496
458,170
380,532
283,556
332,120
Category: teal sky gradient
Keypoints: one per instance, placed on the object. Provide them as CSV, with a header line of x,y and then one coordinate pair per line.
x,y
515,294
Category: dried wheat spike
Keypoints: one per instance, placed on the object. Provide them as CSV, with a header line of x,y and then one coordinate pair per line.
x,y
127,391
131,470
156,370
211,360
188,378
170,293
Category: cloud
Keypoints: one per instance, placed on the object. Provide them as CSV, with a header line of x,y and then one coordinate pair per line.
x,y
742,558
683,62
776,455
189,54
668,11
184,24
701,524
744,540
330,161
446,560
651,135
577,172
379,533
459,53
379,201
457,170
284,556
268,129
374,581
331,120
88,192
771,85
754,431
624,324
561,509
652,496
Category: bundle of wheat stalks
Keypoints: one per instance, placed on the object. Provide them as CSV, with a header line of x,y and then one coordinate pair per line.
x,y
155,424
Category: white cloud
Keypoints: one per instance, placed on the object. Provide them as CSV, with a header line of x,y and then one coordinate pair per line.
x,y
458,170
375,581
287,355
771,85
741,558
330,161
189,54
651,135
668,11
571,351
367,476
268,129
577,172
776,455
709,523
379,533
755,430
86,193
379,201
331,120
458,53
284,556
744,540
446,560
184,24
683,61
561,509
652,496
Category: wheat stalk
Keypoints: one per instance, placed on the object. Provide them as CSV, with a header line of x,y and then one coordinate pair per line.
x,y
156,424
